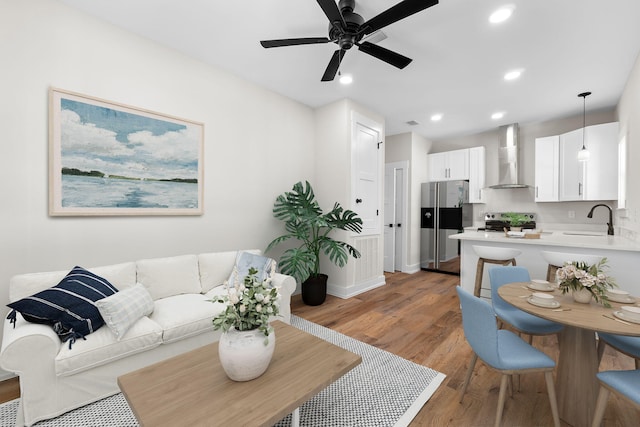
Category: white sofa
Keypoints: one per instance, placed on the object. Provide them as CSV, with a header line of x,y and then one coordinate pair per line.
x,y
55,379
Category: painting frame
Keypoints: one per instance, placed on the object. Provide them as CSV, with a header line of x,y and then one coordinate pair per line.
x,y
111,159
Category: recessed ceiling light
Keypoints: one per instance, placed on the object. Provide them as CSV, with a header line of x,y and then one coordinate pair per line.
x,y
346,79
436,117
498,115
501,14
513,74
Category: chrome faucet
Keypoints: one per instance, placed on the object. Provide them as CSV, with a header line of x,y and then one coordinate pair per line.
x,y
610,223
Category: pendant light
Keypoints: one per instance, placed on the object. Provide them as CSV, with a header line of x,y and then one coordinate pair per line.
x,y
583,154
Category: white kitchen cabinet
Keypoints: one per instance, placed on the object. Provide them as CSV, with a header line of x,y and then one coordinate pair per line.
x,y
547,168
449,165
476,175
597,178
601,170
571,186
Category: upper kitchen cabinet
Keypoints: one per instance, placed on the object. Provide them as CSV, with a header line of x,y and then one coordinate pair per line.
x,y
547,168
597,178
476,175
449,165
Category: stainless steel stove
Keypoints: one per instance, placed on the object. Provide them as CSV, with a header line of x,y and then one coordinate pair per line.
x,y
496,221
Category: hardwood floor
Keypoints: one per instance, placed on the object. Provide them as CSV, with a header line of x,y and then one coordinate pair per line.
x,y
418,317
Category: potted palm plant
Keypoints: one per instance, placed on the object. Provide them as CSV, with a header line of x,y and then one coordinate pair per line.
x,y
306,222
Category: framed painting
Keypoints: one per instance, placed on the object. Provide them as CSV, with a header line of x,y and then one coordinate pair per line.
x,y
112,159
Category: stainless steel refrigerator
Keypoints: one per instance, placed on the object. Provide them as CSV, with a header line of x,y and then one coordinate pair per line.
x,y
445,210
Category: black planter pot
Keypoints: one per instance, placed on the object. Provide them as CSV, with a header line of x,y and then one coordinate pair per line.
x,y
314,289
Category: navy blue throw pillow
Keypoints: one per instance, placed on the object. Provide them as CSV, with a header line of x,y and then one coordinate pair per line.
x,y
69,306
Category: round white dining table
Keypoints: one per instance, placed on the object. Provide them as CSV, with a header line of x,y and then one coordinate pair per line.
x,y
576,382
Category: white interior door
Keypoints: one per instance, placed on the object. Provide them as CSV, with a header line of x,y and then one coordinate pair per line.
x,y
395,215
398,225
367,137
389,218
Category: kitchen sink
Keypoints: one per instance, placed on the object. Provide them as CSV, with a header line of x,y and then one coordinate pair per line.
x,y
582,233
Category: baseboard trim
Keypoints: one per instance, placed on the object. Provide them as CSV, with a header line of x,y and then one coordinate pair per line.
x,y
345,293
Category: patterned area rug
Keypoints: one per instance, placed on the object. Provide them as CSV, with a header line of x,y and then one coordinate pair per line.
x,y
384,390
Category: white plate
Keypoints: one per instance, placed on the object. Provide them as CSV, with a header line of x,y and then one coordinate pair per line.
x,y
550,304
623,299
620,315
540,285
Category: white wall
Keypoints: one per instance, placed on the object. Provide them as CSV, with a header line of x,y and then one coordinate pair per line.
x,y
257,144
629,118
334,184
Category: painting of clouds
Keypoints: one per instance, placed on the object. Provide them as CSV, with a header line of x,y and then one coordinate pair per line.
x,y
111,159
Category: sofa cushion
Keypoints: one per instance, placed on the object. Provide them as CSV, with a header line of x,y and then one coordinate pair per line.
x,y
215,268
245,260
69,306
124,308
182,316
103,347
122,276
165,277
23,285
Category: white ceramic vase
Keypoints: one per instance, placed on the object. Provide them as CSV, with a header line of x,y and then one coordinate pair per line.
x,y
582,296
244,354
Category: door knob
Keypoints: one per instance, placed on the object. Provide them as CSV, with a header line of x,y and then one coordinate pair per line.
x,y
399,225
358,200
390,225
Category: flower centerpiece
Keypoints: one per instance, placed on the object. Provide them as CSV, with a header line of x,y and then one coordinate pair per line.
x,y
249,305
577,276
248,340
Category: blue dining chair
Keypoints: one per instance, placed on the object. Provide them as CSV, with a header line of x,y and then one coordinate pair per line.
x,y
501,350
625,384
521,321
624,344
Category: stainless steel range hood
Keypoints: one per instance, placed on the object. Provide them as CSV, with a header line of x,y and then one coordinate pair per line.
x,y
508,152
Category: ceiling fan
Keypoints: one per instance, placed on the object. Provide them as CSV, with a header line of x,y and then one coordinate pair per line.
x,y
347,29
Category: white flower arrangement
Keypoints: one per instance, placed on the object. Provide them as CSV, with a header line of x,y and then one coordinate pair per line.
x,y
577,275
250,304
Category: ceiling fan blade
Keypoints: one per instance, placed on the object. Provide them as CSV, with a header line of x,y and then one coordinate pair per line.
x,y
293,42
395,13
330,8
386,55
334,65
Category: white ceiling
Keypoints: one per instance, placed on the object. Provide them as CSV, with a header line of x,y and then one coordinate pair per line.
x,y
564,46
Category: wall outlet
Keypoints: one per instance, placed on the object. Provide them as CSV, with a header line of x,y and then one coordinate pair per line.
x,y
572,214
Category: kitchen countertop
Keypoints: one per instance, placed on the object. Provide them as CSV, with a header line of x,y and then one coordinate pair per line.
x,y
576,239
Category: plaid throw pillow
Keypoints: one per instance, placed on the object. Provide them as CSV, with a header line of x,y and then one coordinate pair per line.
x,y
121,310
69,307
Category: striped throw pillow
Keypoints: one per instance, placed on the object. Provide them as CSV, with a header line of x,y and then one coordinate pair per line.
x,y
69,307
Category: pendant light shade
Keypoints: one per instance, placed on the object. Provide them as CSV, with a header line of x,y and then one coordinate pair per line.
x,y
583,154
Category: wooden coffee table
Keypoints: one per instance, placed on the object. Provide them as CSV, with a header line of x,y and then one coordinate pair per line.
x,y
192,388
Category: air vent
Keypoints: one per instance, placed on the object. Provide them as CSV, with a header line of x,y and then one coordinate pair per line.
x,y
412,123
